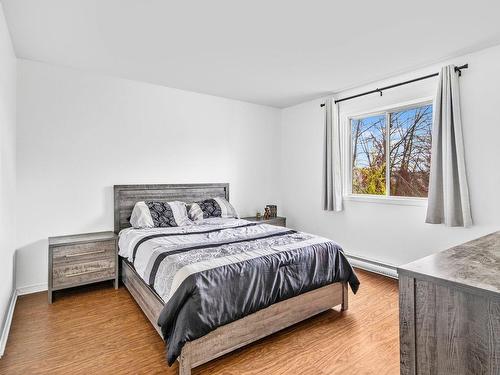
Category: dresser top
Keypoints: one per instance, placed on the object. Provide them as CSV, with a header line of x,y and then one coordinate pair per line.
x,y
81,238
474,264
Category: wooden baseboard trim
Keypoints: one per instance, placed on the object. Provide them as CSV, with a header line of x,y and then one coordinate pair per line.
x,y
7,322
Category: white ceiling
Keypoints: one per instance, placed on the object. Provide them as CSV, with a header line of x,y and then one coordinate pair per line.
x,y
274,52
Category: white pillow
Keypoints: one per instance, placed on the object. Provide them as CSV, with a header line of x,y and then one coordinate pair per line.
x,y
159,214
141,217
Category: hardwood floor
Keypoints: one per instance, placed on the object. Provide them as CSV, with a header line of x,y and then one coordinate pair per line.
x,y
100,330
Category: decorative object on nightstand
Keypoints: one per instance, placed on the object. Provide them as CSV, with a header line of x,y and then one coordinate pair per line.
x,y
278,220
273,210
267,213
82,259
257,215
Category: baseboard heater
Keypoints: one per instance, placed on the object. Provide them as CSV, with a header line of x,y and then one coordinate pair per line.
x,y
373,266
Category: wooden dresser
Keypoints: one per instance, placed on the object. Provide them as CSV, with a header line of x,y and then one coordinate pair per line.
x,y
279,220
82,259
450,311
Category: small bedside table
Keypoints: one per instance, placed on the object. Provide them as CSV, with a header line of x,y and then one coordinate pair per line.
x,y
279,220
82,259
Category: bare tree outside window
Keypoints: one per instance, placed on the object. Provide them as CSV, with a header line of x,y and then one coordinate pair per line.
x,y
368,157
408,158
410,151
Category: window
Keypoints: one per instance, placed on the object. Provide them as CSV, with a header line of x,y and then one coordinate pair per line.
x,y
391,152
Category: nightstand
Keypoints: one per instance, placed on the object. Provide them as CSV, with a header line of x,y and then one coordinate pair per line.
x,y
82,259
279,220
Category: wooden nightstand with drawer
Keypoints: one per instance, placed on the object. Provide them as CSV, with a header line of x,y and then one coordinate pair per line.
x,y
82,259
280,221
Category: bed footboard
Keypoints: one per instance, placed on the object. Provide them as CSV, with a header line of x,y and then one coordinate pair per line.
x,y
263,323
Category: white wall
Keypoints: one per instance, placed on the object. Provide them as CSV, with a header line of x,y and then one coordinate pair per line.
x,y
396,234
7,166
81,133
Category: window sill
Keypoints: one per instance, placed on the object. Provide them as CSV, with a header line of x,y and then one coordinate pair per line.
x,y
401,201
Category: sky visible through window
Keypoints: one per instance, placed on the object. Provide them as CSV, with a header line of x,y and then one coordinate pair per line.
x,y
409,152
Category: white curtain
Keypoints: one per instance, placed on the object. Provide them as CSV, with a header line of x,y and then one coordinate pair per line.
x,y
448,190
332,172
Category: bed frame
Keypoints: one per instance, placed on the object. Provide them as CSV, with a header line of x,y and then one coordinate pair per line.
x,y
233,335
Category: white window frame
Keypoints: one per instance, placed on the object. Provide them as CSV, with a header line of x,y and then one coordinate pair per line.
x,y
346,127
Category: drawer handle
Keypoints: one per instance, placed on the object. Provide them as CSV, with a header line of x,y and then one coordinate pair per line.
x,y
86,253
86,272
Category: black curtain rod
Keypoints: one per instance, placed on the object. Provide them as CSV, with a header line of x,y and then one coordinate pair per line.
x,y
457,69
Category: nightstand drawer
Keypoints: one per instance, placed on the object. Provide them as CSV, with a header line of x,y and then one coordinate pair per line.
x,y
279,220
72,274
85,252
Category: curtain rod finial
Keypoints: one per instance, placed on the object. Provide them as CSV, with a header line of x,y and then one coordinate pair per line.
x,y
459,69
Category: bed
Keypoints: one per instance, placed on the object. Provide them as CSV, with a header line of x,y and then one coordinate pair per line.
x,y
216,286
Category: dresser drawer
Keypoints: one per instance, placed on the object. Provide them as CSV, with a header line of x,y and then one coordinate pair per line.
x,y
71,274
85,252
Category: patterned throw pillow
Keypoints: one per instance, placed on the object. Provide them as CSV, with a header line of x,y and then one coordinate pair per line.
x,y
215,207
162,214
159,214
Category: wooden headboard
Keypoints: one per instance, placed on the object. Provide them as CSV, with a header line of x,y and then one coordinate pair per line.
x,y
127,195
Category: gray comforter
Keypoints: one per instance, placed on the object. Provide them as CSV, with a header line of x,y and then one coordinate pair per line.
x,y
212,274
